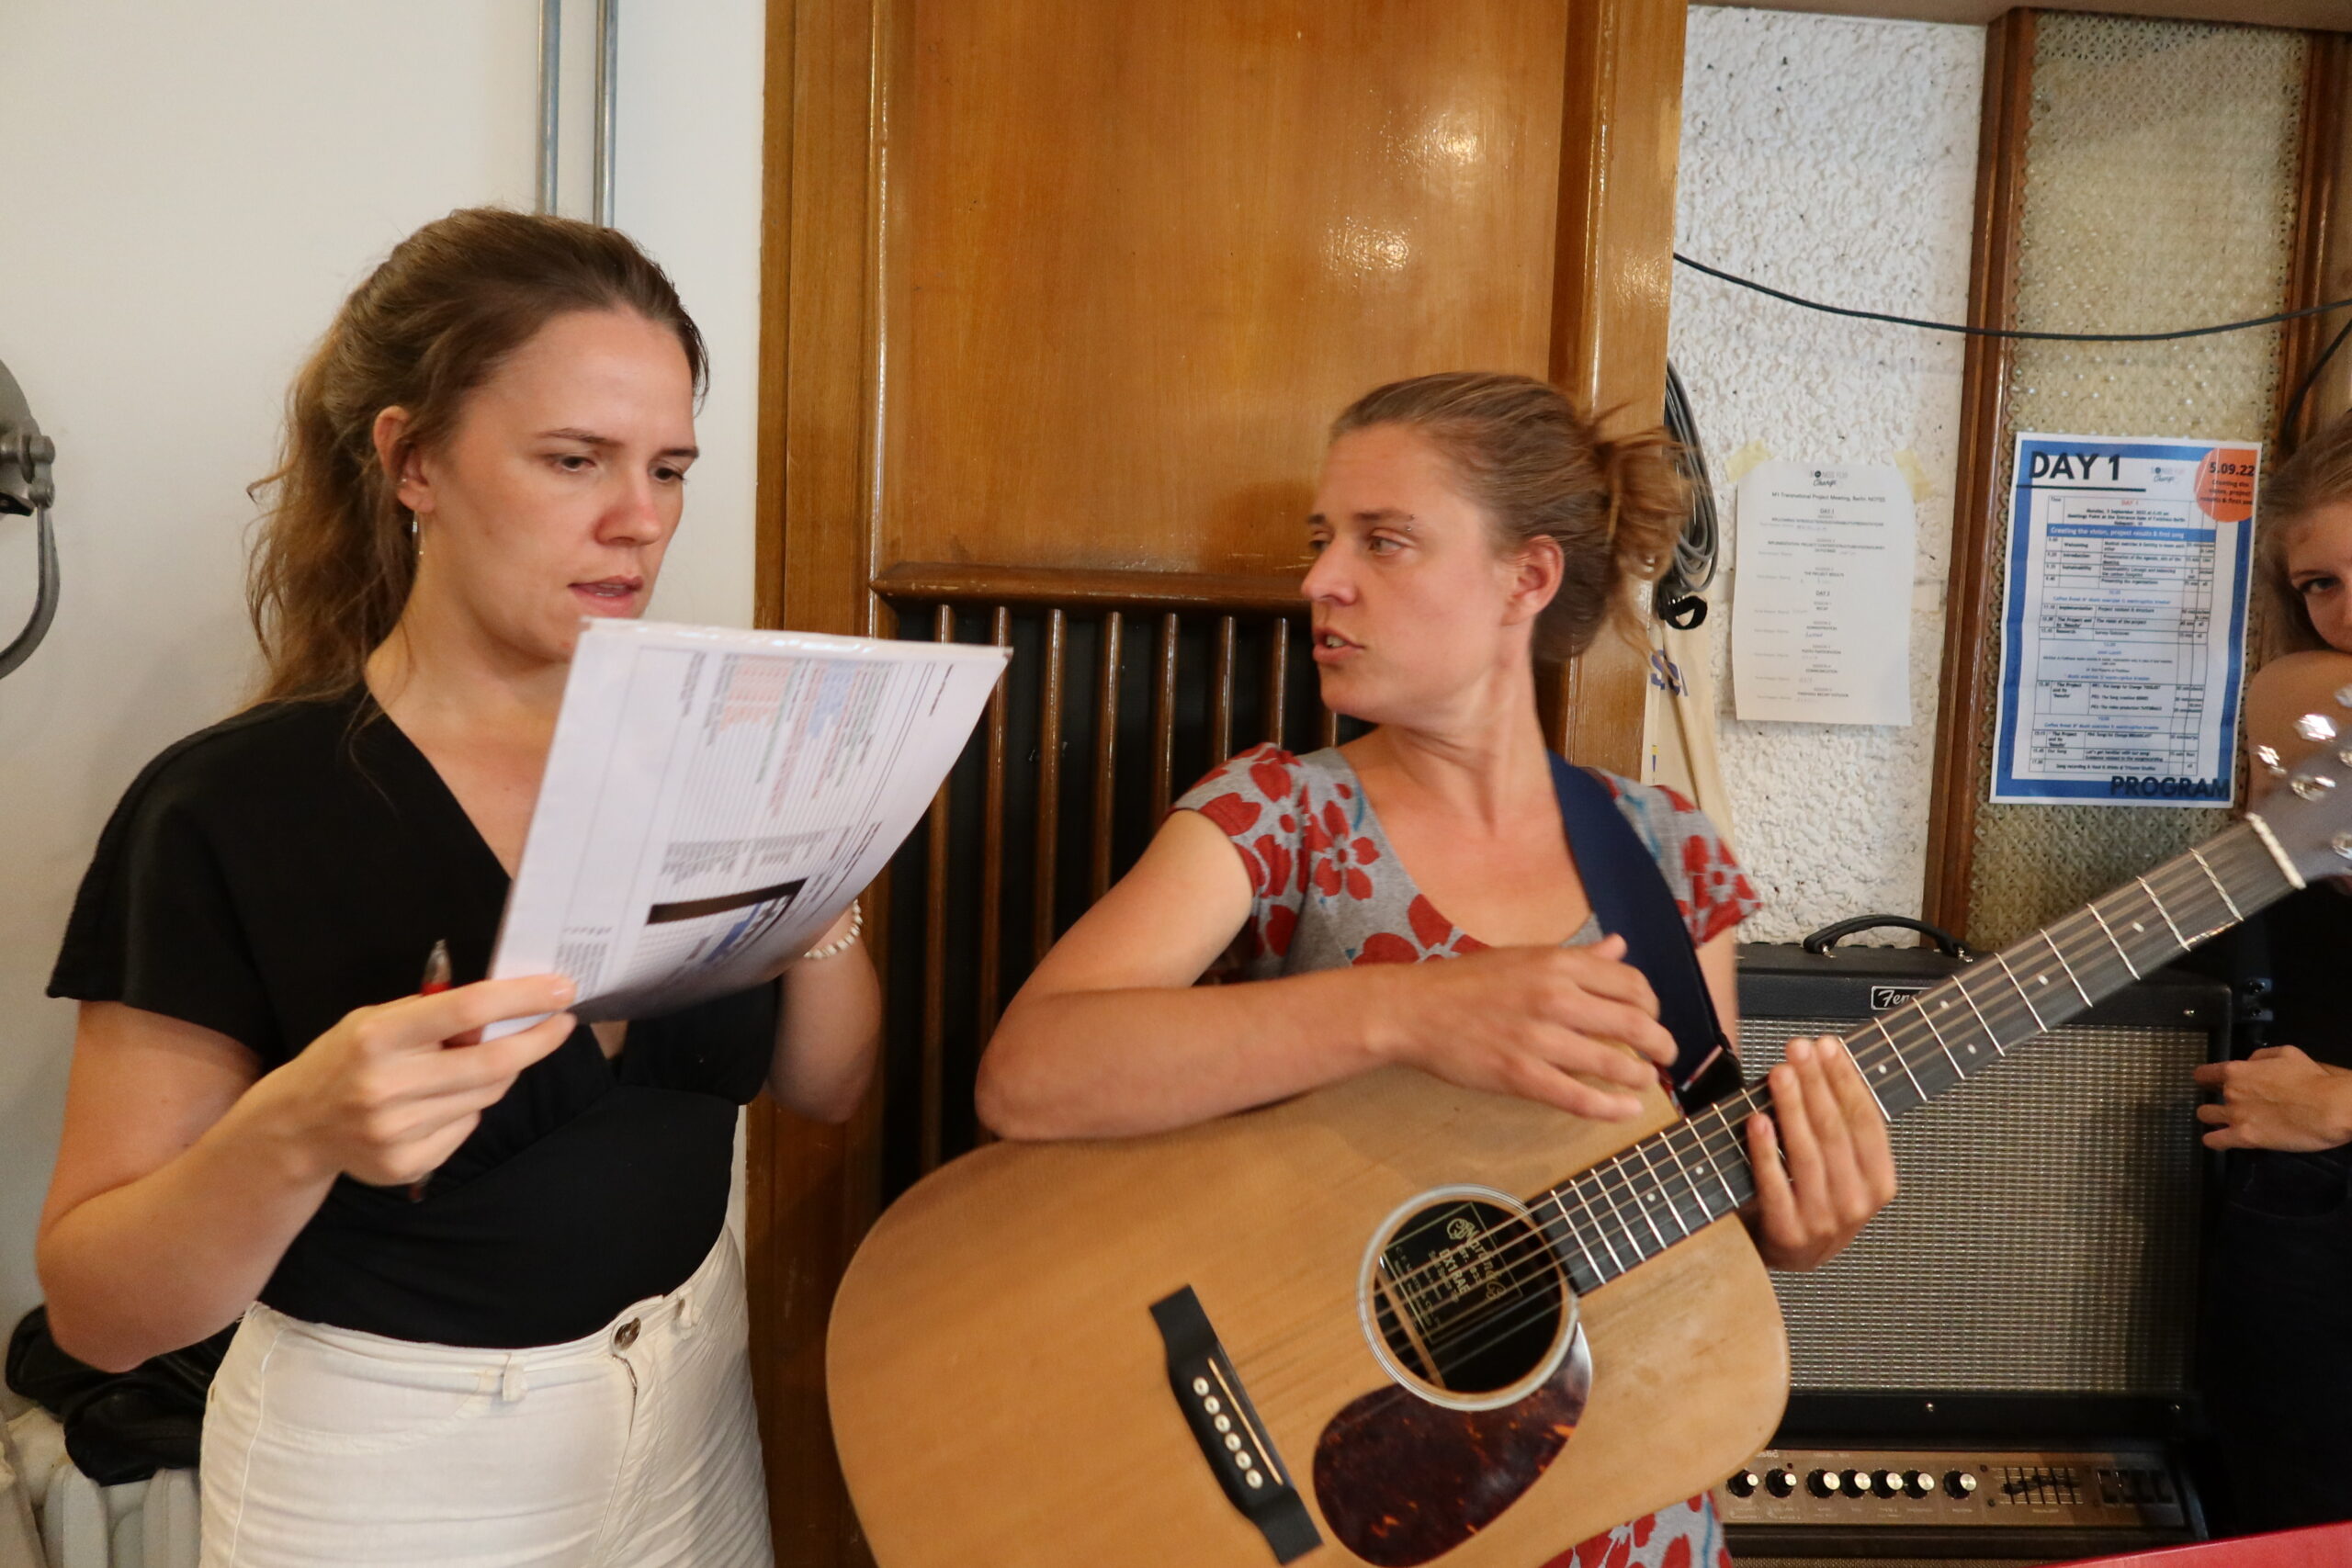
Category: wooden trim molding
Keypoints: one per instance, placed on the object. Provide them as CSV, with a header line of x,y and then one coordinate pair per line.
x,y
2319,195
812,1188
1967,683
930,582
1613,270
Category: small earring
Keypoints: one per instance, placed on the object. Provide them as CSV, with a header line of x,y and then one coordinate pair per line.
x,y
411,526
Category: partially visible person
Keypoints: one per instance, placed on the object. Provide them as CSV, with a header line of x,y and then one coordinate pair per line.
x,y
537,1356
1410,896
2278,1367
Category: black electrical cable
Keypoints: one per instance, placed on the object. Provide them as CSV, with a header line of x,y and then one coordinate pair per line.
x,y
1692,567
2270,321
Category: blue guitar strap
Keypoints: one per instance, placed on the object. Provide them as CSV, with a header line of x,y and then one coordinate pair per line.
x,y
1630,898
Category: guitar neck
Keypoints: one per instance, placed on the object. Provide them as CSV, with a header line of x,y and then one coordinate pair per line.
x,y
1674,1183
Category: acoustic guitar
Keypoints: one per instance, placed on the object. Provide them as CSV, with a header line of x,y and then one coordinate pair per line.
x,y
1394,1321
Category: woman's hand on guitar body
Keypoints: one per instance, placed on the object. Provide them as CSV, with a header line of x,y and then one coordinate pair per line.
x,y
1533,1021
2277,1099
1822,1164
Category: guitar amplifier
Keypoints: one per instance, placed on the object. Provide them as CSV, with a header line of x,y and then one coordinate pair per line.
x,y
2029,1299
2045,1239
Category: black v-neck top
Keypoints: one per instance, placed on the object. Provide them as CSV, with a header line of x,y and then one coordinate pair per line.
x,y
267,875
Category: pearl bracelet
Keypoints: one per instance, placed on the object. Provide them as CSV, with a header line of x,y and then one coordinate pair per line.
x,y
840,946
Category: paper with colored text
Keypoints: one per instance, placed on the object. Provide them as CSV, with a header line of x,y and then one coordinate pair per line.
x,y
714,798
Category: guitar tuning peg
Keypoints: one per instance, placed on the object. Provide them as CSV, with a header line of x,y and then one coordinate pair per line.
x,y
2315,726
2311,786
2344,697
2269,757
2342,845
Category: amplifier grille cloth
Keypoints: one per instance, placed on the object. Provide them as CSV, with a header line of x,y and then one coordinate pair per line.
x,y
2045,1235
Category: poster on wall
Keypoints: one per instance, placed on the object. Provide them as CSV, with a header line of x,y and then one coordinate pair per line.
x,y
2123,625
1821,594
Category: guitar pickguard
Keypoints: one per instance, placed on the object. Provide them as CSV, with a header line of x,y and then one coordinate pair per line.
x,y
1402,1481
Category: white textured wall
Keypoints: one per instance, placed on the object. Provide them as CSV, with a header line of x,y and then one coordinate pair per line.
x,y
200,187
1834,157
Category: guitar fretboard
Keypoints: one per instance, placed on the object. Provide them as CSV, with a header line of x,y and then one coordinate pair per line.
x,y
1677,1182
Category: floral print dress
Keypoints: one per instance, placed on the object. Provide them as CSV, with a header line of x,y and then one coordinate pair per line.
x,y
1328,891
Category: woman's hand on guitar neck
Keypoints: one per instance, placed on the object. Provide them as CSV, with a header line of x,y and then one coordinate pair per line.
x,y
2277,1099
1822,1161
1533,1021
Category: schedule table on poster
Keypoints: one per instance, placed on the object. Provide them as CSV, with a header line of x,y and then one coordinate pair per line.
x,y
2125,622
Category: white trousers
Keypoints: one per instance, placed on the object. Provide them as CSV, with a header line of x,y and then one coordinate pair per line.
x,y
635,1445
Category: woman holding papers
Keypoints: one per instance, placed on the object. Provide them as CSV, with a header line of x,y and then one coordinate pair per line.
x,y
1466,524
498,1316
2279,1368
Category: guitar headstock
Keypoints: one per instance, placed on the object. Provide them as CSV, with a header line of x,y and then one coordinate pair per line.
x,y
2310,816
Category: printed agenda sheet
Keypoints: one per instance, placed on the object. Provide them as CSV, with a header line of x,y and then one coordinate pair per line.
x,y
714,799
1821,593
2123,630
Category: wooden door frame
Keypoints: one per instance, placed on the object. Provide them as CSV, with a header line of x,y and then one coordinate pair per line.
x,y
814,1191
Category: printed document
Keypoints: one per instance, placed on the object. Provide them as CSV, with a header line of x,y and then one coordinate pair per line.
x,y
1821,593
714,799
2123,627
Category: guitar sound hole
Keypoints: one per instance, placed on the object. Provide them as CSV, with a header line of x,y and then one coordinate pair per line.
x,y
1465,1296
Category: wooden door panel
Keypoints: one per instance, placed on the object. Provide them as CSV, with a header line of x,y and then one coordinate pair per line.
x,y
1146,253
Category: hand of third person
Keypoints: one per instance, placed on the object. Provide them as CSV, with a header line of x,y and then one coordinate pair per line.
x,y
1822,1160
2277,1099
1535,1021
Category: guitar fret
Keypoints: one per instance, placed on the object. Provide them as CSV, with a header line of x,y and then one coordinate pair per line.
x,y
1901,1061
2161,910
2056,952
1639,1207
1690,1182
1641,1149
1924,1018
1992,1035
2023,995
1623,1229
1715,1161
2196,853
1575,1235
2130,967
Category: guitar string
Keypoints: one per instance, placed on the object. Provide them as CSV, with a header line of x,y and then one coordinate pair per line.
x,y
2192,877
1917,1026
1877,1056
2182,878
1534,1311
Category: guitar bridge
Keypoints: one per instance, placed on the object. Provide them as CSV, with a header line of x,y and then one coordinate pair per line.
x,y
1224,1423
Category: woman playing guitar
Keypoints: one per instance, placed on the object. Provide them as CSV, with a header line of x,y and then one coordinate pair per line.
x,y
1465,525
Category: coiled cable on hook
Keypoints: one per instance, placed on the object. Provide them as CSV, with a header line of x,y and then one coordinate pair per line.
x,y
1676,596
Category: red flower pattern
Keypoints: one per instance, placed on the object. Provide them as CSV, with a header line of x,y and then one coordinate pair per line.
x,y
1294,824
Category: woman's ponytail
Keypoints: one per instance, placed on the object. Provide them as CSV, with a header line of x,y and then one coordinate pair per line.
x,y
1540,470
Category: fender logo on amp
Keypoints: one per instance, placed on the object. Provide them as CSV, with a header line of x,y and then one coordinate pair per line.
x,y
1885,996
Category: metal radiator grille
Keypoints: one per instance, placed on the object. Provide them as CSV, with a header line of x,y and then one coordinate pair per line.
x,y
2045,1236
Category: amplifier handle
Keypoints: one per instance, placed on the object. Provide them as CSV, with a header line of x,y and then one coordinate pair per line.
x,y
1829,936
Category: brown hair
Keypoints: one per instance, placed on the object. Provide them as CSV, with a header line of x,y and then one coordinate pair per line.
x,y
333,563
1540,471
2319,474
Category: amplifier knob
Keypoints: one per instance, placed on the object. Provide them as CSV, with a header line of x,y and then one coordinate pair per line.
x,y
1780,1482
1858,1484
1743,1483
1887,1484
1824,1483
1959,1484
1918,1483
